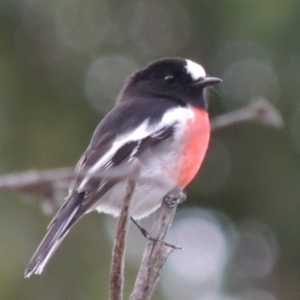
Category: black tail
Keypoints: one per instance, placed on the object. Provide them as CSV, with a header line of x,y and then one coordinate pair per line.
x,y
57,230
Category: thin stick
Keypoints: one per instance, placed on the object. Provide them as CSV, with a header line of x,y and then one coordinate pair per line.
x,y
258,109
23,180
156,253
117,264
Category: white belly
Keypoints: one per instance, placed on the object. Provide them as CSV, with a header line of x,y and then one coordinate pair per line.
x,y
155,182
146,200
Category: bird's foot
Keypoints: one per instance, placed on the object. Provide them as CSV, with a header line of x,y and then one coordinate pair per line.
x,y
146,234
175,197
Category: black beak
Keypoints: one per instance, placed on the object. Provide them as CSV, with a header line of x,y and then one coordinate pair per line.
x,y
206,81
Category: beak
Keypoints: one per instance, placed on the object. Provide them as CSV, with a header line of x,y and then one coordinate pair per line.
x,y
206,81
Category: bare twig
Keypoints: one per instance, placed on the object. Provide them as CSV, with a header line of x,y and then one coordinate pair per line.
x,y
32,178
257,110
23,180
117,263
50,183
156,253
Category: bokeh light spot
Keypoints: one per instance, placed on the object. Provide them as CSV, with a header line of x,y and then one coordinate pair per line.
x,y
81,24
160,27
105,78
205,248
248,79
234,51
256,252
196,270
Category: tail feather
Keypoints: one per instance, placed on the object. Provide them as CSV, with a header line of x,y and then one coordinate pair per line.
x,y
57,231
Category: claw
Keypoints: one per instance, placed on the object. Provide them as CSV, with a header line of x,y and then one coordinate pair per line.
x,y
175,197
146,234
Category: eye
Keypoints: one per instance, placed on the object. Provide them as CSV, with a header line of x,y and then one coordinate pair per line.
x,y
170,79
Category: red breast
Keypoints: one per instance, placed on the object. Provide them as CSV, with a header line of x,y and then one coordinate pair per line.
x,y
196,138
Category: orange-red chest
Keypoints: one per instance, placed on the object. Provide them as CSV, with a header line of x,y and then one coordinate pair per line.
x,y
194,146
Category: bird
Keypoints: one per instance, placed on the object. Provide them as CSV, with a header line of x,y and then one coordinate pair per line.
x,y
160,118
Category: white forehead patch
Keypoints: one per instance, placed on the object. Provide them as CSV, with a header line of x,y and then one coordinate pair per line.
x,y
196,71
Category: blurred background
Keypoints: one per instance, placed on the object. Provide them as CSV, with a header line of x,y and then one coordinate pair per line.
x,y
62,64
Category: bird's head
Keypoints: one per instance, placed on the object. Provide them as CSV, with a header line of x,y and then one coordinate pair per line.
x,y
177,79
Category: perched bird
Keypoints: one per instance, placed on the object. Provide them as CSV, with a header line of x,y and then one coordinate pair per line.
x,y
161,119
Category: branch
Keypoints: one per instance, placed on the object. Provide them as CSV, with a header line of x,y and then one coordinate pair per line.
x,y
157,252
23,180
117,263
260,110
50,183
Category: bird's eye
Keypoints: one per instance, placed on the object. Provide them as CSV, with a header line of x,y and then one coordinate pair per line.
x,y
170,79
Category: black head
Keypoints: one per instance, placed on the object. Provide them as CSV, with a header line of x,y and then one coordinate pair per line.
x,y
177,79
